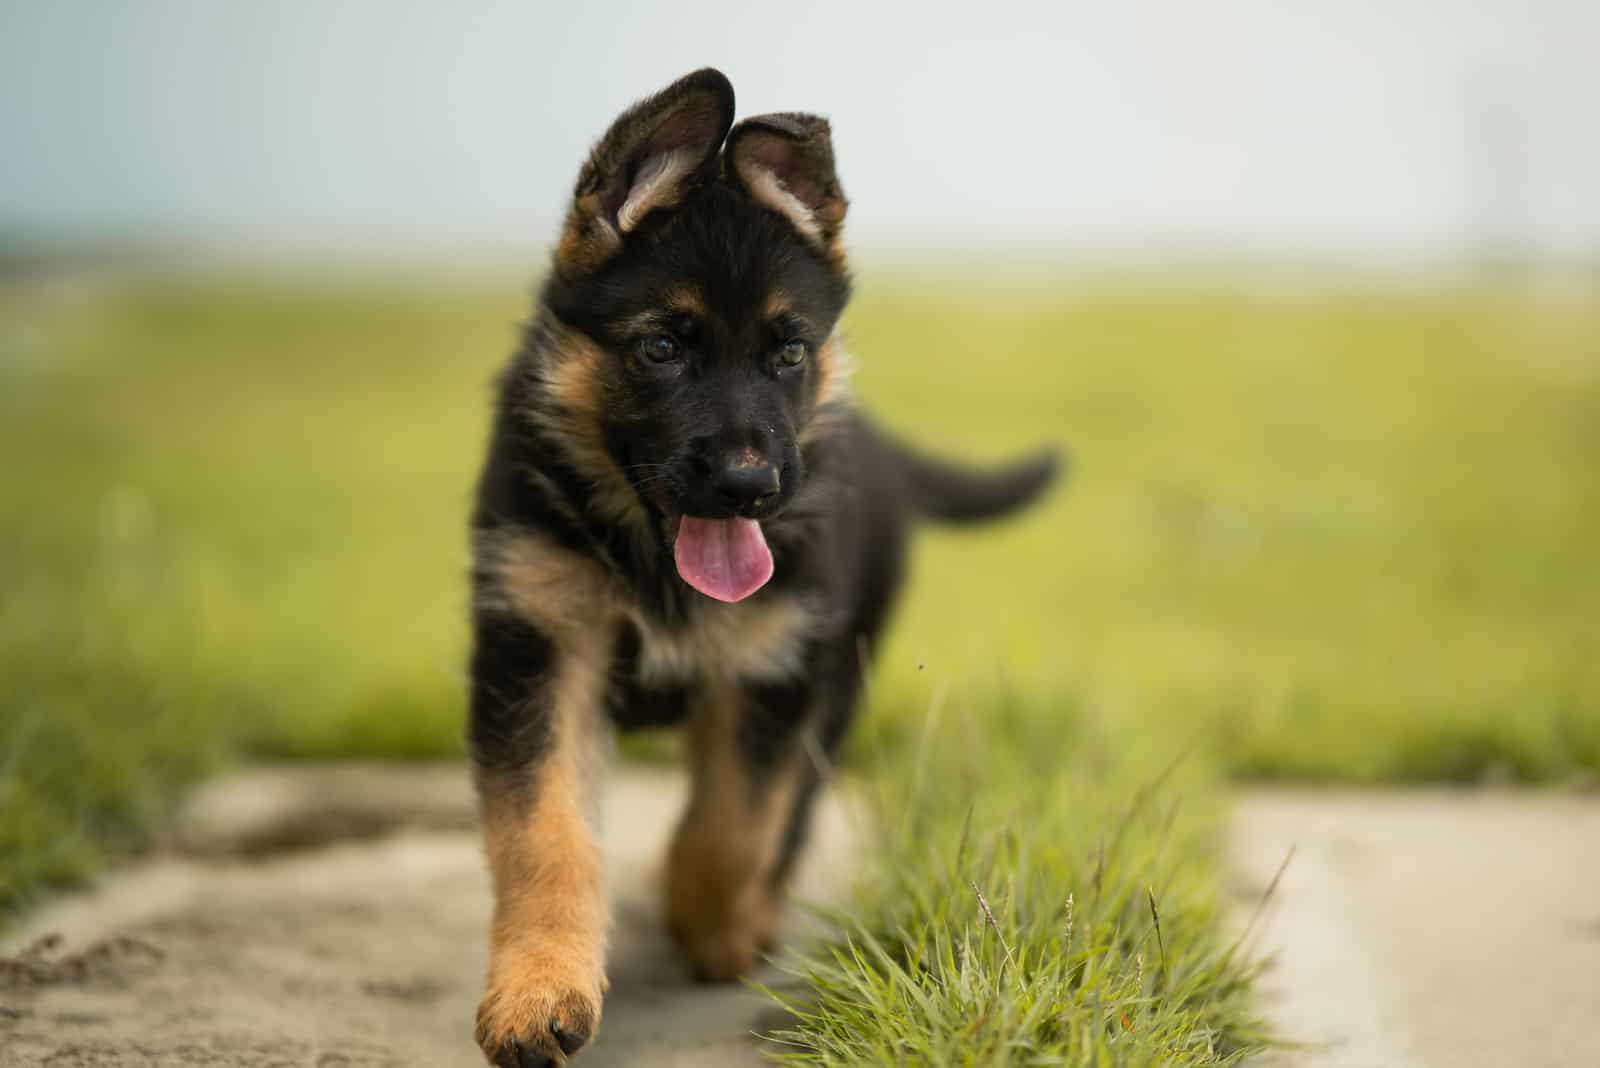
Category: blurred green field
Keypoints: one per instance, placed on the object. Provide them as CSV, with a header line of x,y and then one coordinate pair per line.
x,y
1327,533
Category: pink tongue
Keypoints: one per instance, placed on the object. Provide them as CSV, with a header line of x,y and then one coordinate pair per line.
x,y
723,558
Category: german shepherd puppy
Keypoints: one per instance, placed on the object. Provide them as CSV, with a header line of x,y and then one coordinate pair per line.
x,y
682,519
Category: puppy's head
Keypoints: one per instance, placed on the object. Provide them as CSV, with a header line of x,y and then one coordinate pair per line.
x,y
701,265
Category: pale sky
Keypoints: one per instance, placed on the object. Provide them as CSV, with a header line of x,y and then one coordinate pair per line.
x,y
1383,129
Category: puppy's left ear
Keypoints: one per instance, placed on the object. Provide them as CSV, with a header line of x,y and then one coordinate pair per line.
x,y
654,153
785,162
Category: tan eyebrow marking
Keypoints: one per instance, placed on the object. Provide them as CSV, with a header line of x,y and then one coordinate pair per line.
x,y
778,305
686,300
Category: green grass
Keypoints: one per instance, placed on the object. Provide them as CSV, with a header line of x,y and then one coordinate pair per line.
x,y
1044,892
232,523
1348,536
1321,533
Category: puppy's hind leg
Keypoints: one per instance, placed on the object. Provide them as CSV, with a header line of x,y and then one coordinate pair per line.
x,y
537,741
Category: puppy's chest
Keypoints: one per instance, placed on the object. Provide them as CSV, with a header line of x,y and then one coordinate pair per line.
x,y
595,618
761,641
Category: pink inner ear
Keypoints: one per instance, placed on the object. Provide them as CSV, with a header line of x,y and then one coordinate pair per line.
x,y
672,152
785,161
655,184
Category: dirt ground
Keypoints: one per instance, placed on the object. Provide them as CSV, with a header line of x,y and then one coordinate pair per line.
x,y
1429,929
252,946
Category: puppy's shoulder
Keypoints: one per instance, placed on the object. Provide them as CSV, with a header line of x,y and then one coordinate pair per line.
x,y
566,594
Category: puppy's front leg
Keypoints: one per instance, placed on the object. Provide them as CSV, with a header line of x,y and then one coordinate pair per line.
x,y
536,735
726,868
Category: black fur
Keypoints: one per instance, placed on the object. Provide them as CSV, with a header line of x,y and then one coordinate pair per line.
x,y
509,658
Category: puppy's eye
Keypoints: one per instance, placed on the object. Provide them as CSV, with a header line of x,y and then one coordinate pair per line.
x,y
793,353
660,348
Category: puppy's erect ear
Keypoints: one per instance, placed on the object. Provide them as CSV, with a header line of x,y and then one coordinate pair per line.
x,y
652,155
785,162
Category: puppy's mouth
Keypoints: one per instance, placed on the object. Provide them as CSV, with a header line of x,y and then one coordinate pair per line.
x,y
727,559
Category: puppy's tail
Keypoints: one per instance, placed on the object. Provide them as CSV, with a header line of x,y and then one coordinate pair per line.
x,y
952,493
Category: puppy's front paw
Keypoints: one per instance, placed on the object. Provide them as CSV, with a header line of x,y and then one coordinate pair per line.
x,y
720,955
532,1018
726,943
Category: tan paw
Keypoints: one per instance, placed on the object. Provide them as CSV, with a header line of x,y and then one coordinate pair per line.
x,y
726,944
529,1021
719,956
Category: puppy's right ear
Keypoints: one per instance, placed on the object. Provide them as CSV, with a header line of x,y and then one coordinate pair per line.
x,y
653,154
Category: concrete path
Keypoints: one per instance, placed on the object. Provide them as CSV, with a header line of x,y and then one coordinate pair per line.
x,y
335,918
256,942
1438,930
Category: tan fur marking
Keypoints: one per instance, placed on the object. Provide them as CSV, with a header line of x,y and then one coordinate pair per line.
x,y
571,598
820,226
548,937
574,375
565,595
778,305
833,385
688,301
587,238
656,186
833,372
830,217
768,189
722,904
753,640
574,384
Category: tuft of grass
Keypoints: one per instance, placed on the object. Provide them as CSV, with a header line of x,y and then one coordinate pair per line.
x,y
1040,896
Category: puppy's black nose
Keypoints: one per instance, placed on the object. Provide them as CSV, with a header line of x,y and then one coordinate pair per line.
x,y
746,483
